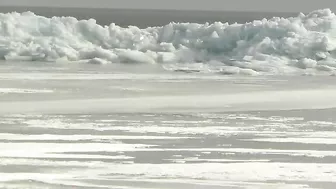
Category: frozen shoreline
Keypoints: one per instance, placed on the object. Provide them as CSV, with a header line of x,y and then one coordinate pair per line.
x,y
304,44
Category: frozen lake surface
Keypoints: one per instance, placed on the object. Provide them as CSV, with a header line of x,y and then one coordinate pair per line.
x,y
126,126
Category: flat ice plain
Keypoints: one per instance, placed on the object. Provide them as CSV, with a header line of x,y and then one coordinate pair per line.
x,y
142,127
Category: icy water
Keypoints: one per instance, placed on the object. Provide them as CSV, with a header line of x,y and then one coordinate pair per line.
x,y
143,126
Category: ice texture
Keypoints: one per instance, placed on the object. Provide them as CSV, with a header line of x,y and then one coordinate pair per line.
x,y
267,46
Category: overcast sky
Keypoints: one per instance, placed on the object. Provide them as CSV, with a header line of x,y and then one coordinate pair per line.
x,y
240,5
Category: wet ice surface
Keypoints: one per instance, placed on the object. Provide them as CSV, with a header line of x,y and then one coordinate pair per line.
x,y
250,150
213,147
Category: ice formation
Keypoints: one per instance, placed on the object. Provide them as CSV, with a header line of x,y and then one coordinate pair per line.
x,y
277,45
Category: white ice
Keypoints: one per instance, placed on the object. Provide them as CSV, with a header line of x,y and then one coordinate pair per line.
x,y
305,44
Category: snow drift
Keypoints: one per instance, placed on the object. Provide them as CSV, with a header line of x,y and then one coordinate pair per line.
x,y
274,46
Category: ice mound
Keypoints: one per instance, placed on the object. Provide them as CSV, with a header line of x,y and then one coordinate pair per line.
x,y
274,46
